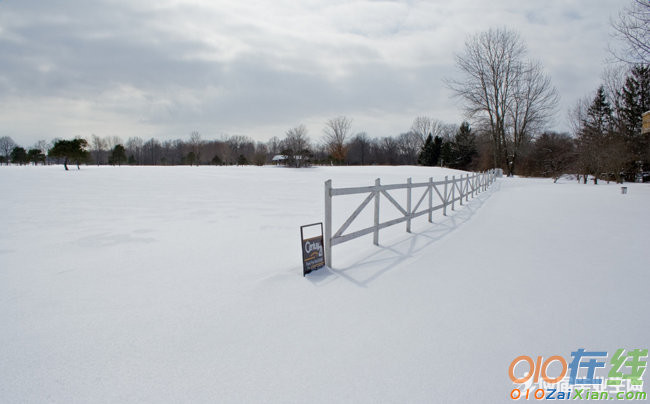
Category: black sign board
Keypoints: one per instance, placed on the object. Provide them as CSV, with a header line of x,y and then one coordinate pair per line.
x,y
313,250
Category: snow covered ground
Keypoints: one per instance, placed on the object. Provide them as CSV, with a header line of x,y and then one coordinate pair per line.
x,y
184,285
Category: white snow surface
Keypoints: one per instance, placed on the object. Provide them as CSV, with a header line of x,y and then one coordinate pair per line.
x,y
184,285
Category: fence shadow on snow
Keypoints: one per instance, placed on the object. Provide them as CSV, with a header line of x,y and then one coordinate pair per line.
x,y
384,258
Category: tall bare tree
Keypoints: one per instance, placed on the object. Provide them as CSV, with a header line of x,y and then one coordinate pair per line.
x,y
489,66
633,31
501,91
337,131
533,107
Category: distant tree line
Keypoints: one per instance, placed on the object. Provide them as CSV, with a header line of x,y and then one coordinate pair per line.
x,y
507,98
456,147
600,129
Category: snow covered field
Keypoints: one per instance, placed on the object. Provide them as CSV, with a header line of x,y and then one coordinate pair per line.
x,y
184,285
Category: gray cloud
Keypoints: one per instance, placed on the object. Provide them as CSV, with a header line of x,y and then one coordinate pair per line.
x,y
252,67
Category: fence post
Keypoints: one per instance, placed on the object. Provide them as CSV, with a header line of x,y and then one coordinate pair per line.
x,y
474,185
328,223
444,206
453,191
408,205
375,237
430,199
460,186
467,190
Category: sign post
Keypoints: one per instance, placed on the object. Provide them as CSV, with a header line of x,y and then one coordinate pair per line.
x,y
313,254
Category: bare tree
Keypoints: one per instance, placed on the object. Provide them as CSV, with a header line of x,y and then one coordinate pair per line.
x,y
6,146
43,147
388,150
337,131
152,151
577,116
134,148
489,65
273,146
112,141
296,145
361,145
261,154
173,151
633,31
424,126
98,148
196,143
448,131
613,78
501,91
533,107
409,145
222,151
239,146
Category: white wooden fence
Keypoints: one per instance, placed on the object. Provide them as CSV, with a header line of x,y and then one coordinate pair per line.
x,y
452,191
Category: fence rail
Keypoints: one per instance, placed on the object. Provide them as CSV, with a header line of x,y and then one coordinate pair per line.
x,y
450,192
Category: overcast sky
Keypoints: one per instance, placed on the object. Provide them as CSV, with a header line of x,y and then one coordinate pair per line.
x,y
165,68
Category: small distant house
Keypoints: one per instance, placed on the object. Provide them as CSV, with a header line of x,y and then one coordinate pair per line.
x,y
281,159
645,128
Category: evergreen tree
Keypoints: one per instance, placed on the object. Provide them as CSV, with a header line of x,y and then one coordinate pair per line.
x,y
464,147
19,156
430,152
118,155
635,100
131,160
70,150
447,154
191,158
36,156
426,153
597,143
599,114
